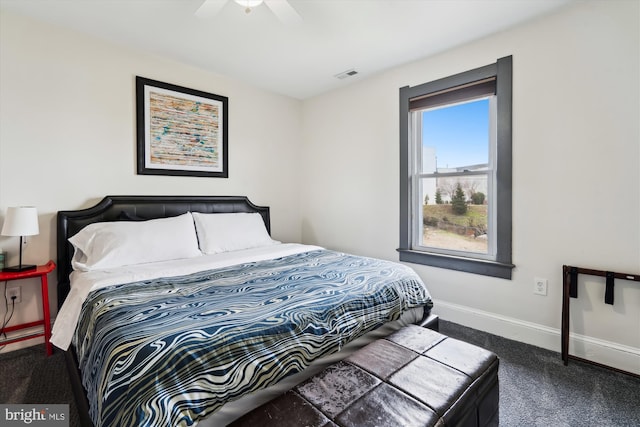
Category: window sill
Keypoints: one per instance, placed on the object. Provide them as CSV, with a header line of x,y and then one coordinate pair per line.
x,y
468,265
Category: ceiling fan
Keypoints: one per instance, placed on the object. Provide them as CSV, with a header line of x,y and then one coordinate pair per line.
x,y
281,8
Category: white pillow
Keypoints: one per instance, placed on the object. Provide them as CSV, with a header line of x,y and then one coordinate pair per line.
x,y
114,244
224,232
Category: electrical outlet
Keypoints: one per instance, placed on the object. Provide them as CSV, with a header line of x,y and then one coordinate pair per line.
x,y
14,292
539,286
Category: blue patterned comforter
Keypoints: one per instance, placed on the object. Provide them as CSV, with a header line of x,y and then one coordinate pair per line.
x,y
171,351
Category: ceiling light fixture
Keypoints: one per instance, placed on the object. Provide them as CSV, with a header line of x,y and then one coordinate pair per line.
x,y
248,4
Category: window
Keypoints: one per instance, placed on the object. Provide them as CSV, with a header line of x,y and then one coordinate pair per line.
x,y
455,171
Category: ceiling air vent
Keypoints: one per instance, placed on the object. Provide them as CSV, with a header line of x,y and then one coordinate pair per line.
x,y
345,74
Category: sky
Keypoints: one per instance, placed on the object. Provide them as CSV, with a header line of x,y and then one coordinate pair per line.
x,y
459,133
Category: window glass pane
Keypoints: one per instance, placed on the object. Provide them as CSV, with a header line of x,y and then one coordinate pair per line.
x,y
455,213
456,137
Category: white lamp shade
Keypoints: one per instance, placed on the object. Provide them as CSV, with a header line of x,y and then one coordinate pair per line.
x,y
21,221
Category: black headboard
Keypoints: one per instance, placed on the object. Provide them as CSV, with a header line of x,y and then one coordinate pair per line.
x,y
112,208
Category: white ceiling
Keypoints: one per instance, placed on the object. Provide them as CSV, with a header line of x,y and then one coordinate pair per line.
x,y
298,60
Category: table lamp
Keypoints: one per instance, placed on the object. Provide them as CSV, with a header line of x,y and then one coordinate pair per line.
x,y
20,221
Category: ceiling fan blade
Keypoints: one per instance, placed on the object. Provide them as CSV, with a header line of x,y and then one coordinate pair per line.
x,y
284,11
210,8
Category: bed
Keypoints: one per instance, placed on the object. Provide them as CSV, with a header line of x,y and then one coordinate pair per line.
x,y
181,310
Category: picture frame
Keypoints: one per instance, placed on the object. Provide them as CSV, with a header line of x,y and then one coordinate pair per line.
x,y
181,131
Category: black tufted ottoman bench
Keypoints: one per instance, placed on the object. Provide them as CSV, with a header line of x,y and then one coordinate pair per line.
x,y
414,377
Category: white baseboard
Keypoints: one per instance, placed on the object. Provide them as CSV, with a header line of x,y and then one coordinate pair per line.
x,y
607,353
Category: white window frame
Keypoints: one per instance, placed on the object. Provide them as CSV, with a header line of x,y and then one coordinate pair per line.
x,y
497,262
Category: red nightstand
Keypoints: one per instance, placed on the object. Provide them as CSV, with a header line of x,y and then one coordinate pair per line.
x,y
41,271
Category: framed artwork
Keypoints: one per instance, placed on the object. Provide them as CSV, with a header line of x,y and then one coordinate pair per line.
x,y
181,131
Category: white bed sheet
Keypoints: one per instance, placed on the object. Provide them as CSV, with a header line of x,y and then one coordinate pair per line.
x,y
83,282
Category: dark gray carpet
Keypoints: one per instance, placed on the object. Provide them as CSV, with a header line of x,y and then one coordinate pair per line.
x,y
536,389
28,376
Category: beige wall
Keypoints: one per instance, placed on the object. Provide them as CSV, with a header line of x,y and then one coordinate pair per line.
x,y
67,135
328,166
576,180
